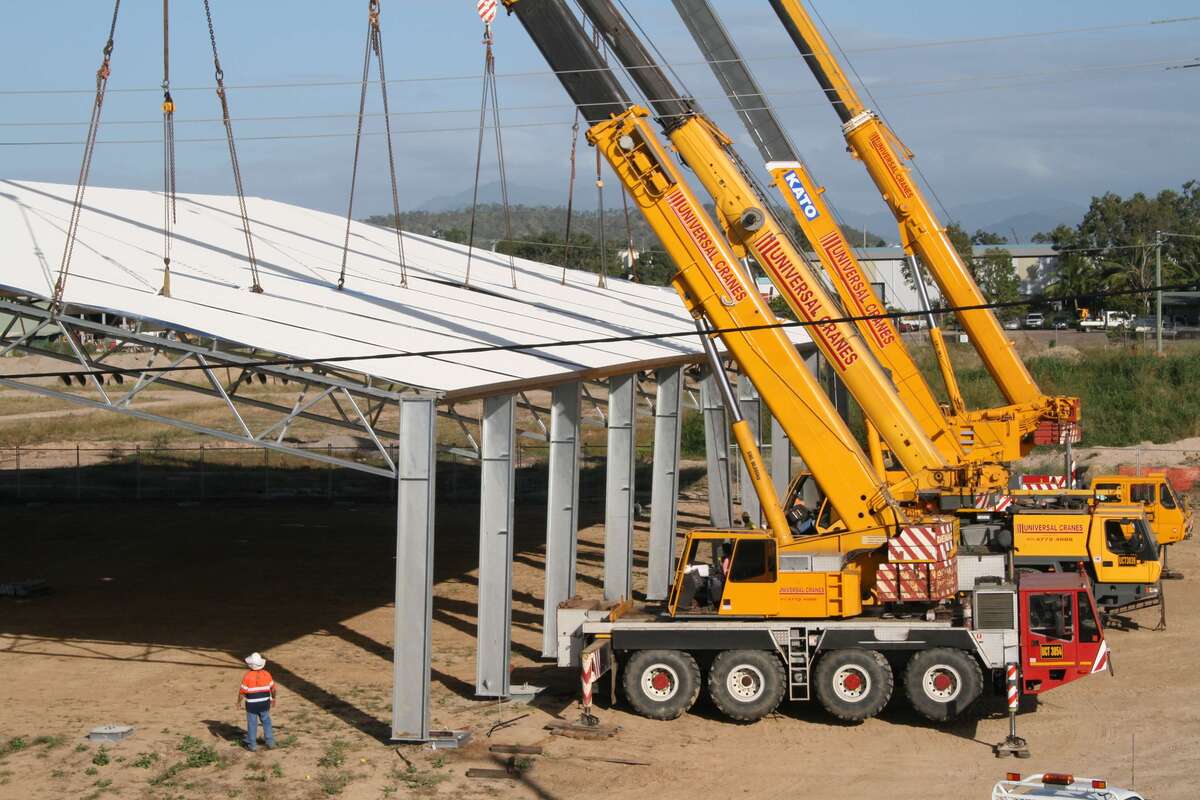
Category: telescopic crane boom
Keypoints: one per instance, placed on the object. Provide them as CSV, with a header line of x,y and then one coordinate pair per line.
x,y
1043,419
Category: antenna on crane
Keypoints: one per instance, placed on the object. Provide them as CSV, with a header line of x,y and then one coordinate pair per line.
x,y
487,13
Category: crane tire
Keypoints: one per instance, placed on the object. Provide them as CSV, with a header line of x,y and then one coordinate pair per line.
x,y
661,684
853,684
942,683
746,685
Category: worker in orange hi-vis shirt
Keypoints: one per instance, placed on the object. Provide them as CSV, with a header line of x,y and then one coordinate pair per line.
x,y
258,693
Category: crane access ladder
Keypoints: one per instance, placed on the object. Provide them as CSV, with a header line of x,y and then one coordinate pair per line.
x,y
799,656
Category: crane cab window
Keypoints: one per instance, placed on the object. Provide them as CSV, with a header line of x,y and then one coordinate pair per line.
x,y
1052,616
1130,537
753,562
1142,493
1108,493
1089,626
1166,496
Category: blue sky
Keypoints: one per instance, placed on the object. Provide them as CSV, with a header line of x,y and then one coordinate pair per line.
x,y
1011,123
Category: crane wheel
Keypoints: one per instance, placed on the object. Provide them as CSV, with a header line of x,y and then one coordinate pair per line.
x,y
854,684
942,683
661,684
746,685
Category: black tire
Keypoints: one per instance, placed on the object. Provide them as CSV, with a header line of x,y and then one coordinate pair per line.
x,y
746,685
661,684
942,683
853,684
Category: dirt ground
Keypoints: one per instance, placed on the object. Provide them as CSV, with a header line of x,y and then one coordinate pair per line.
x,y
153,607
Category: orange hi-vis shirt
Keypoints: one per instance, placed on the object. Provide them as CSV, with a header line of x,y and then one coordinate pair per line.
x,y
257,688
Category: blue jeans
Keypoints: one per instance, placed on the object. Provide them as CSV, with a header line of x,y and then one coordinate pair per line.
x,y
252,718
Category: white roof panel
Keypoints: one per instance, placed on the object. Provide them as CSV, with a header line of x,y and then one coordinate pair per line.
x,y
117,267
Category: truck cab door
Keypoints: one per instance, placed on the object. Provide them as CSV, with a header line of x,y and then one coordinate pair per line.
x,y
1126,549
1049,639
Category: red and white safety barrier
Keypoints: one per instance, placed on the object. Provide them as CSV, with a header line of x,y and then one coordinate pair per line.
x,y
993,502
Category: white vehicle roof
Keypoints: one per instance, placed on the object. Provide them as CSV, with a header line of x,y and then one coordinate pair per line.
x,y
1081,789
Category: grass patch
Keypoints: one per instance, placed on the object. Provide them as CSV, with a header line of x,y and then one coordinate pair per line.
x,y
14,745
145,760
418,779
101,758
198,754
288,741
335,754
1127,397
334,782
50,742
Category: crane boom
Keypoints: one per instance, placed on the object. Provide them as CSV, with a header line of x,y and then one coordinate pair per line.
x,y
1053,419
750,226
710,280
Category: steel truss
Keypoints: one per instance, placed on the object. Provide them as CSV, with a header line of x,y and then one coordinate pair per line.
x,y
358,403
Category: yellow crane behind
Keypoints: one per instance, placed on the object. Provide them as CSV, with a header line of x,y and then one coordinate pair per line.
x,y
1040,419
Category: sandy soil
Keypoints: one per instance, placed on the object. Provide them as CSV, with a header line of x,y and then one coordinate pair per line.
x,y
153,606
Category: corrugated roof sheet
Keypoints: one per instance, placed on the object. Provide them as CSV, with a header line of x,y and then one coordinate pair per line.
x,y
117,267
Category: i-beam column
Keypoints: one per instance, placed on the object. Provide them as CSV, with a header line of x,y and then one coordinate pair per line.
x,y
562,509
494,635
411,655
716,448
618,489
781,459
664,490
750,406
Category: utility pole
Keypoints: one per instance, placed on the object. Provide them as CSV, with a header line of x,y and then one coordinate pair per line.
x,y
1158,326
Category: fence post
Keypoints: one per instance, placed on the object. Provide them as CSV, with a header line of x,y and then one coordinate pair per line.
x,y
201,472
137,472
78,485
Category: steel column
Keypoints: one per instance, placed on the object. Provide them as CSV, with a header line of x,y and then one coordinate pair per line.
x,y
781,459
619,488
664,490
411,658
716,447
494,635
751,407
562,509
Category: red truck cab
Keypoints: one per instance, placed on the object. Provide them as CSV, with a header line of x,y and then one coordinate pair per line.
x,y
1061,636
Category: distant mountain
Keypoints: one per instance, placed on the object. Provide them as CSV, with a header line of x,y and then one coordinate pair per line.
x,y
1026,214
518,195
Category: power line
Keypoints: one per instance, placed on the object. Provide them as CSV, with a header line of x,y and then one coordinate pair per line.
x,y
1019,76
644,337
475,129
792,56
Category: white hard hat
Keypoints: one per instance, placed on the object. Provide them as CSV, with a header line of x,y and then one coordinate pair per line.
x,y
255,661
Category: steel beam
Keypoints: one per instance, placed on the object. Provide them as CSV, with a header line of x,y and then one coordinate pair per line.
x,y
562,509
664,490
751,407
494,636
619,489
716,448
781,459
412,648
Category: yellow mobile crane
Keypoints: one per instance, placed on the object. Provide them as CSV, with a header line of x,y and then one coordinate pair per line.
x,y
773,611
1041,419
752,228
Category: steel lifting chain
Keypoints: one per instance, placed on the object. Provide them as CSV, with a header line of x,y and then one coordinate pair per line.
x,y
570,198
89,148
255,286
374,45
168,109
489,89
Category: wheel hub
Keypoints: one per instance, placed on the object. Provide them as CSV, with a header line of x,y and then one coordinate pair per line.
x,y
852,684
745,683
659,682
942,683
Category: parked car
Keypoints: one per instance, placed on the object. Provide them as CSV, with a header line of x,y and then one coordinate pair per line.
x,y
1059,785
1013,324
1034,320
